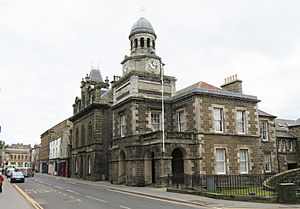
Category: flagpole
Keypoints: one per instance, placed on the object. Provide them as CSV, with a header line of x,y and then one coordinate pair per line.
x,y
162,108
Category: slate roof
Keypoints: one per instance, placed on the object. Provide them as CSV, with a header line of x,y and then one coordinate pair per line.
x,y
205,88
262,113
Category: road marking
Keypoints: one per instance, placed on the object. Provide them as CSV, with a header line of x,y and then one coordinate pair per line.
x,y
79,200
65,194
28,198
72,182
71,197
94,198
156,198
121,206
48,184
72,191
58,187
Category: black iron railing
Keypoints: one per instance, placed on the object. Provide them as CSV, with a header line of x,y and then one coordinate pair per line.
x,y
246,184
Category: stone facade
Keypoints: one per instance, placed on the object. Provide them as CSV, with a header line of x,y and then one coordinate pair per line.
x,y
287,135
60,164
141,130
207,129
91,133
268,142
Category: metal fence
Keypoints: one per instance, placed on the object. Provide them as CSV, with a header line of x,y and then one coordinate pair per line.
x,y
245,184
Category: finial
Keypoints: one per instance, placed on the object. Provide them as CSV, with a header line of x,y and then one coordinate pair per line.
x,y
142,9
95,65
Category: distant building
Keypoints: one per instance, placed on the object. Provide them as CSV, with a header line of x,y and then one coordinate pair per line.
x,y
35,158
55,149
17,155
288,138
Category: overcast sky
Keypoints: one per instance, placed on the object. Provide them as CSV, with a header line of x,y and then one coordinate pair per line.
x,y
47,47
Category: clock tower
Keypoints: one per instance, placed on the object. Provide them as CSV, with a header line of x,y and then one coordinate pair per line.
x,y
142,49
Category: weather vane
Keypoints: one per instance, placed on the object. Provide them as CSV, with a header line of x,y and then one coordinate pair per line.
x,y
142,9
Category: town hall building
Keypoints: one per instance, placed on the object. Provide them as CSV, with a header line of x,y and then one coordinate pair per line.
x,y
139,129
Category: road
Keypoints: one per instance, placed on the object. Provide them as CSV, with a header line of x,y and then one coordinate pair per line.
x,y
53,193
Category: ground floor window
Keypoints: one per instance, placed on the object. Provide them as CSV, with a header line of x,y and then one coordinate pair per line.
x,y
267,162
220,161
244,164
89,165
75,164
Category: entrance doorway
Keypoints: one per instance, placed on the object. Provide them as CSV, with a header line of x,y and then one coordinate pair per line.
x,y
149,168
122,168
177,166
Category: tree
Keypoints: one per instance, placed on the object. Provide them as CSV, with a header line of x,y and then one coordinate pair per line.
x,y
2,144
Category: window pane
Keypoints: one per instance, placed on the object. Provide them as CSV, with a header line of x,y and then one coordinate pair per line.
x,y
243,160
240,118
155,121
218,119
220,161
180,121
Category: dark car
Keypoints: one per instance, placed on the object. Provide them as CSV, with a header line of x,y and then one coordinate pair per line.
x,y
17,177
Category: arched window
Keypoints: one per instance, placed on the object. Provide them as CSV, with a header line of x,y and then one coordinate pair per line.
x,y
90,133
148,42
153,44
142,42
82,135
135,43
130,45
76,138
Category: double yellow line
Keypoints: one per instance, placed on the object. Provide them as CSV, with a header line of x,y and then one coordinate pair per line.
x,y
27,197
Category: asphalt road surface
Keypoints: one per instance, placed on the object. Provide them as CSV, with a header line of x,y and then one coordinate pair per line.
x,y
53,193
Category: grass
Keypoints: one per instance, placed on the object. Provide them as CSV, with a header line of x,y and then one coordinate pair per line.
x,y
253,191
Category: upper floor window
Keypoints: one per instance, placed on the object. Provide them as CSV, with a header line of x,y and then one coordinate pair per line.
x,y
90,133
76,137
267,162
244,162
155,121
82,135
180,120
122,125
220,161
291,145
241,122
264,130
218,119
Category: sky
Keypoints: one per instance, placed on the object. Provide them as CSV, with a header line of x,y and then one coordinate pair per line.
x,y
48,46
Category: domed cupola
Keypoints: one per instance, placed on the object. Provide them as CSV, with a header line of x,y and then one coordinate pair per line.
x,y
142,49
142,25
142,37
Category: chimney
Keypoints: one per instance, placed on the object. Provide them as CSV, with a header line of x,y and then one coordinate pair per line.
x,y
233,84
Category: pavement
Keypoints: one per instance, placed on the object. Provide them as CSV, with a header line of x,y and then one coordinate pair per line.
x,y
13,198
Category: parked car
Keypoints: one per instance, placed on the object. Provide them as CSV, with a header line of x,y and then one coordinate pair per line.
x,y
27,171
17,177
9,171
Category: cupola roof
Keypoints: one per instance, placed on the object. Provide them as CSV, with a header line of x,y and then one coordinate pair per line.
x,y
142,23
142,26
95,76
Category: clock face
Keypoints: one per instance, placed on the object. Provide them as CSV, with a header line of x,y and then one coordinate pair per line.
x,y
153,65
125,69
